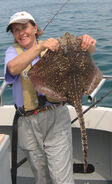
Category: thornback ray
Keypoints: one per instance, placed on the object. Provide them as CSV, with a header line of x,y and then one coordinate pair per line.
x,y
67,75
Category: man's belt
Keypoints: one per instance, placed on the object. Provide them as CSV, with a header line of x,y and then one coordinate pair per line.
x,y
36,111
41,109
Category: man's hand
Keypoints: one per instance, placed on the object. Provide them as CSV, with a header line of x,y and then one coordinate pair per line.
x,y
51,44
88,43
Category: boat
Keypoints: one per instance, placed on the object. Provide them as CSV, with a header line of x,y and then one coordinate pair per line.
x,y
99,132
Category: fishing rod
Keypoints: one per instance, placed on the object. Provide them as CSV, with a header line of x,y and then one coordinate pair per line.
x,y
50,21
100,99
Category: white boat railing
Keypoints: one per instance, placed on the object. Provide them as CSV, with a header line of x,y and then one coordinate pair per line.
x,y
2,88
92,96
107,76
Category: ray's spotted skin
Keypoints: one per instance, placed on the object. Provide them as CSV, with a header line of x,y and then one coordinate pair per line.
x,y
66,75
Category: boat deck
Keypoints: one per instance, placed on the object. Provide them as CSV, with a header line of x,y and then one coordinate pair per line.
x,y
23,180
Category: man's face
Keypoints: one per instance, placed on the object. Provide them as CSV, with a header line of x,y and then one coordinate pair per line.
x,y
24,34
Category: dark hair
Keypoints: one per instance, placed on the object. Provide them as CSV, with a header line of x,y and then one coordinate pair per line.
x,y
39,31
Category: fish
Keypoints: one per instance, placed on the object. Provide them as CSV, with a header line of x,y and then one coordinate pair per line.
x,y
65,76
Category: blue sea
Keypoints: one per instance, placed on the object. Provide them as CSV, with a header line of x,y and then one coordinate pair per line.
x,y
93,17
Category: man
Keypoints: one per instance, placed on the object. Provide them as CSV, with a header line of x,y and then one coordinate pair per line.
x,y
44,128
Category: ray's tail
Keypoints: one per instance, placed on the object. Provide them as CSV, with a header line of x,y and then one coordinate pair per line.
x,y
83,141
83,136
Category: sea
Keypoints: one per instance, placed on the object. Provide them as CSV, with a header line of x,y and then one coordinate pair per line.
x,y
93,17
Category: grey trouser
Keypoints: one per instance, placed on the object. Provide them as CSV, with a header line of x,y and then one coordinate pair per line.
x,y
46,138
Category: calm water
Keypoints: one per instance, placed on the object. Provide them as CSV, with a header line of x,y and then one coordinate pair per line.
x,y
78,17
